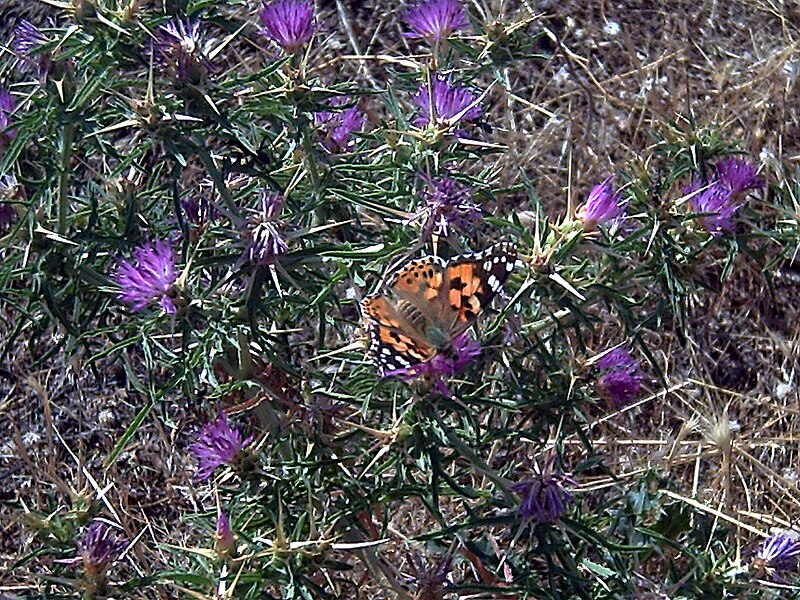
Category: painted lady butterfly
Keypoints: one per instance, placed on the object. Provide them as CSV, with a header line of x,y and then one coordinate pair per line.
x,y
429,303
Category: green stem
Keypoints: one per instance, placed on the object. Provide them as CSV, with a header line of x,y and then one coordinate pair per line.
x,y
63,178
474,459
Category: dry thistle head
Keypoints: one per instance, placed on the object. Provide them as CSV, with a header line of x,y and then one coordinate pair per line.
x,y
721,430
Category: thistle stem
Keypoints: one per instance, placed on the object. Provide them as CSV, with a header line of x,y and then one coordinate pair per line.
x,y
63,177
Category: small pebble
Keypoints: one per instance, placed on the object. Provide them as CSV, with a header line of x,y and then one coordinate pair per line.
x,y
612,28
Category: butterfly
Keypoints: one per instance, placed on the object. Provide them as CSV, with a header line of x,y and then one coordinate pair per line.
x,y
428,303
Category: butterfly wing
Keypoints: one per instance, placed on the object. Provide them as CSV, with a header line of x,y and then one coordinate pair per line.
x,y
396,320
428,297
470,282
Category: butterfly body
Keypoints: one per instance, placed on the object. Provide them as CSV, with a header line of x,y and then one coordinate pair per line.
x,y
428,303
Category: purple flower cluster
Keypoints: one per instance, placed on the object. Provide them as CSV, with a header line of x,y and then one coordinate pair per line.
x,y
180,48
446,363
603,205
715,200
7,106
288,23
99,547
435,20
447,205
264,230
217,444
337,127
151,276
779,553
545,497
28,39
738,176
720,200
619,382
452,103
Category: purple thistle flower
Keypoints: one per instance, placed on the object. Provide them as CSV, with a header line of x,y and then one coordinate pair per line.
x,y
738,175
288,23
446,363
180,47
337,128
224,540
436,20
150,277
217,444
718,201
99,547
779,553
603,205
449,101
7,106
619,381
27,40
266,240
448,204
545,497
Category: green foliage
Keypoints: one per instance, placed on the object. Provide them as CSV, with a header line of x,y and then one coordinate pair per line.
x,y
111,146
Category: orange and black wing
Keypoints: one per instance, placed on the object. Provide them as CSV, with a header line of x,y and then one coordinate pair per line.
x,y
396,320
470,282
393,343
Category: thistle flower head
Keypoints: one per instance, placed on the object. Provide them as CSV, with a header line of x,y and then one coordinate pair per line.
x,y
7,106
264,230
462,351
99,547
224,540
449,101
447,205
337,127
217,444
716,200
778,554
545,497
603,205
180,48
738,176
288,23
151,276
435,20
619,381
27,40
